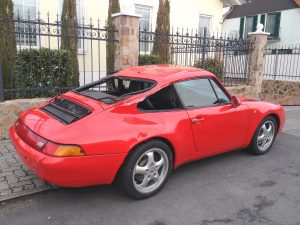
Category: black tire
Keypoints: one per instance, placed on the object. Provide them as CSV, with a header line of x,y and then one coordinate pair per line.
x,y
254,146
125,179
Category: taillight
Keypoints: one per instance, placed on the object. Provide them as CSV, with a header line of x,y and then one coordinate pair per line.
x,y
45,146
32,139
62,150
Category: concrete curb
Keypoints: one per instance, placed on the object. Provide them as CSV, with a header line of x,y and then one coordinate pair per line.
x,y
25,193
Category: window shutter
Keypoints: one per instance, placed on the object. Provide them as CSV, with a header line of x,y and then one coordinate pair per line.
x,y
242,22
254,25
263,20
277,24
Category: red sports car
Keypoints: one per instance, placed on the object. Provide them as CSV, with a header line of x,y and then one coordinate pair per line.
x,y
139,124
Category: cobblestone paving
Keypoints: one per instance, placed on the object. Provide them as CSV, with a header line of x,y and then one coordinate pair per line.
x,y
17,180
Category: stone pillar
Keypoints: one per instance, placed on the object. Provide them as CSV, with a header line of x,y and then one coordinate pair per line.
x,y
257,57
127,47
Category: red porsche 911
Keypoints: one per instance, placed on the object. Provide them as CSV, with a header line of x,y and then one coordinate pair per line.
x,y
136,126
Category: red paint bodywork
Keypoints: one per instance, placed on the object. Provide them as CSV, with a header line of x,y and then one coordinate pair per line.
x,y
111,131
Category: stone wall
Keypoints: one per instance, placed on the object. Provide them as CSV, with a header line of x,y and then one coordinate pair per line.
x,y
127,47
10,111
282,92
243,90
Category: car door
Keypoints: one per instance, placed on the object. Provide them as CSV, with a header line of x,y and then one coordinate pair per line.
x,y
216,124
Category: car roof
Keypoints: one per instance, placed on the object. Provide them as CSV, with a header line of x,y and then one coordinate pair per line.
x,y
164,74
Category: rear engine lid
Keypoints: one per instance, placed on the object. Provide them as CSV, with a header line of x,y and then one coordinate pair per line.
x,y
65,110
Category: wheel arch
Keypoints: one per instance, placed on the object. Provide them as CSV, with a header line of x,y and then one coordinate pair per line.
x,y
162,139
276,117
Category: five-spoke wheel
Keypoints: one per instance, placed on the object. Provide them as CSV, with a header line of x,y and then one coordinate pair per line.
x,y
150,170
146,169
264,136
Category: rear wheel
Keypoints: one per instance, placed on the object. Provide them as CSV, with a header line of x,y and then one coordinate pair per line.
x,y
264,136
146,169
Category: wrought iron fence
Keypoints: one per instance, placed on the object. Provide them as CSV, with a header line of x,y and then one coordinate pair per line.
x,y
41,67
226,57
283,63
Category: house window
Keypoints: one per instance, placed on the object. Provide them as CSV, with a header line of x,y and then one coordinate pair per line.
x,y
145,23
25,9
270,26
248,25
204,24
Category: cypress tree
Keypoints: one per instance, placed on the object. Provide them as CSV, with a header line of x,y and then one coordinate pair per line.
x,y
114,7
8,48
69,35
161,46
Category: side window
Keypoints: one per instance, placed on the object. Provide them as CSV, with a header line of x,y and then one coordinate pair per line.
x,y
196,93
164,99
222,97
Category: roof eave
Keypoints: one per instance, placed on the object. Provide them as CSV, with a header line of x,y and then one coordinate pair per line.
x,y
230,3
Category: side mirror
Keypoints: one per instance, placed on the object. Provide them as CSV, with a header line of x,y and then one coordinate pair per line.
x,y
235,101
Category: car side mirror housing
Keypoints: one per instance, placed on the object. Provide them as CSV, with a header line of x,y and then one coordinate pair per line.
x,y
235,101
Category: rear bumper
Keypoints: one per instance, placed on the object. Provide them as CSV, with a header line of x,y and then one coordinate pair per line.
x,y
68,171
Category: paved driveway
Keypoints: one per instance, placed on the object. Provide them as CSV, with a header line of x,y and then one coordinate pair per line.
x,y
233,188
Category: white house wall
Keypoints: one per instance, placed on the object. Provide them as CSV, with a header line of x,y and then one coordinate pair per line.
x,y
231,27
289,28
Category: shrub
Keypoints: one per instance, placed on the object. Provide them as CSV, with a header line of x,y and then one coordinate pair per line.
x,y
44,69
211,65
149,60
113,7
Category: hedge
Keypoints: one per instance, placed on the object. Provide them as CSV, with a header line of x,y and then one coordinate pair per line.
x,y
149,60
49,70
211,65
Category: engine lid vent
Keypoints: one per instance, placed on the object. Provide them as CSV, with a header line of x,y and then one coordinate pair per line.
x,y
65,110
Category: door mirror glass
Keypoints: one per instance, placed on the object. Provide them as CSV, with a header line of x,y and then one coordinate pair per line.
x,y
235,101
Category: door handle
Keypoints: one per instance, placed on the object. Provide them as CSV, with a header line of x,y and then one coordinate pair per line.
x,y
197,120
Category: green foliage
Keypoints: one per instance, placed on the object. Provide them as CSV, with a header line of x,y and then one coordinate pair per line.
x,y
211,65
7,41
149,60
69,34
43,68
114,7
161,46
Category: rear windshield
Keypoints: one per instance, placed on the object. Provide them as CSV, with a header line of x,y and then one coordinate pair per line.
x,y
112,88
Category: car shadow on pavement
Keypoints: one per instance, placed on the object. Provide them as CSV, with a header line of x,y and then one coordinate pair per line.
x,y
185,173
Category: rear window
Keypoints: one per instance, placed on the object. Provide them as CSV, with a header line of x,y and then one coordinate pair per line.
x,y
112,88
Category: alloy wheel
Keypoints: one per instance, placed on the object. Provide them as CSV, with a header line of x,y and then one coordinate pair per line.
x,y
266,135
150,170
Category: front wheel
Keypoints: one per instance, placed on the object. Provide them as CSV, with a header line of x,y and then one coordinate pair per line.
x,y
264,136
146,169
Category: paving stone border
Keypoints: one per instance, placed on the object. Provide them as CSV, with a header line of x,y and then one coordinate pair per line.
x,y
17,180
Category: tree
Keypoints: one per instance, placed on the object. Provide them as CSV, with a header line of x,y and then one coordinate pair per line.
x,y
69,35
114,7
8,48
161,46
